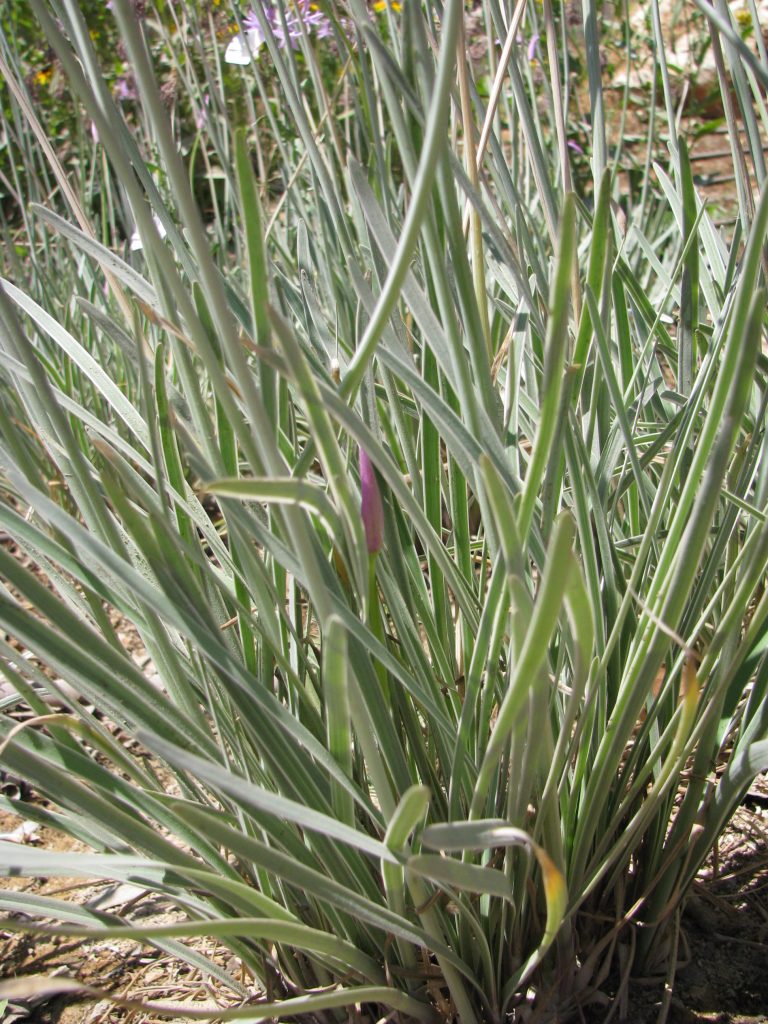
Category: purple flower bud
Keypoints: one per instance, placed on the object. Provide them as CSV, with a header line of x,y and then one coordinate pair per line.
x,y
371,507
575,147
532,47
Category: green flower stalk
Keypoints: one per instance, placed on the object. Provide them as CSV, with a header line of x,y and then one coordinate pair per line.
x,y
372,511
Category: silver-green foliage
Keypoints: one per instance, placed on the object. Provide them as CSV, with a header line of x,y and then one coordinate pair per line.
x,y
430,765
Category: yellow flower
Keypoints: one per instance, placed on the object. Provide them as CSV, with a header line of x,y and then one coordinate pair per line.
x,y
43,77
381,5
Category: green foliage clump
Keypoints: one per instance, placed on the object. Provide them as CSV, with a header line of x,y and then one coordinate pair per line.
x,y
426,462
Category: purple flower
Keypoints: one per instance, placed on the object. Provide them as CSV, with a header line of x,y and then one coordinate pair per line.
x,y
532,47
285,27
202,115
318,22
370,507
575,147
125,88
251,21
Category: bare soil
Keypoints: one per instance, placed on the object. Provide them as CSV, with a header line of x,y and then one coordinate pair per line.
x,y
721,971
125,967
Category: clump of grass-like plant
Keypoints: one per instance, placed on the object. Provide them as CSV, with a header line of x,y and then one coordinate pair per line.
x,y
433,484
